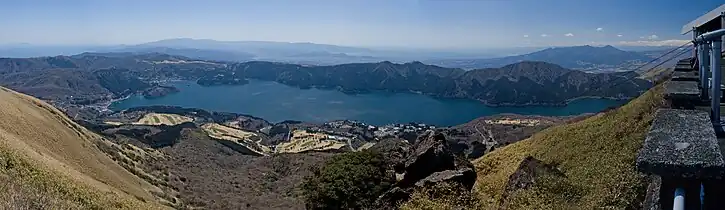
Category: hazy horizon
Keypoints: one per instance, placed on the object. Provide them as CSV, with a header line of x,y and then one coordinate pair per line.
x,y
417,24
520,49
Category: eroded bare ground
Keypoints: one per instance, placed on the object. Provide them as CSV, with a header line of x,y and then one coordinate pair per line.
x,y
232,180
198,171
235,163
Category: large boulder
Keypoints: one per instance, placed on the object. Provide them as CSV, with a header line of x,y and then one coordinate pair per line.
x,y
464,176
392,198
394,151
428,162
527,175
431,153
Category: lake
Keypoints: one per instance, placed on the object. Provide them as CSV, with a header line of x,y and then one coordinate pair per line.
x,y
277,102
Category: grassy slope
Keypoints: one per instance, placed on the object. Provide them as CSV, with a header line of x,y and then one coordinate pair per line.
x,y
50,162
597,155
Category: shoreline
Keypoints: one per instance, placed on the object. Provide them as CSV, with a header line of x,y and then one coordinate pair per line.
x,y
437,97
497,109
108,103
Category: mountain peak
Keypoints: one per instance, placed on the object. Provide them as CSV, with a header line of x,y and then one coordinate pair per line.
x,y
528,64
386,62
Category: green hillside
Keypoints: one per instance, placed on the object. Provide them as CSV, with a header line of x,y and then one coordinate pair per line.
x,y
595,158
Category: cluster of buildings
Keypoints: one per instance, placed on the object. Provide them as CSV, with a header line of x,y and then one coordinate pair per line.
x,y
397,130
380,132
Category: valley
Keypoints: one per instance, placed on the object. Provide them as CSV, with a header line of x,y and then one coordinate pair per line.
x,y
221,135
194,155
361,105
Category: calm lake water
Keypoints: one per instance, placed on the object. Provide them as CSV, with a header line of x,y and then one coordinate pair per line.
x,y
277,102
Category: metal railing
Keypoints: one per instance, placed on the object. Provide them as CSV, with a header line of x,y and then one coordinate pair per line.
x,y
709,46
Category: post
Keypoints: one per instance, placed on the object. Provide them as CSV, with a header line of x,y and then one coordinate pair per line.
x,y
715,91
696,52
702,70
722,26
679,202
705,67
698,58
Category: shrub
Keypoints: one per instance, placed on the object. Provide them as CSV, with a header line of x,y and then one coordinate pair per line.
x,y
348,181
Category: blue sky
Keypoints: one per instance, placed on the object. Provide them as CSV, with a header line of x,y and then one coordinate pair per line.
x,y
389,23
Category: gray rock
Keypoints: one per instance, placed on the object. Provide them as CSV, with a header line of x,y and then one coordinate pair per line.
x,y
392,198
430,154
681,143
395,151
466,177
528,173
428,162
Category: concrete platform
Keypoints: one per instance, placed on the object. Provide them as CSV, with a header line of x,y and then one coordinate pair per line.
x,y
687,59
682,93
685,76
681,144
684,63
685,68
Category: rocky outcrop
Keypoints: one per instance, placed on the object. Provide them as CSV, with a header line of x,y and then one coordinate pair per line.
x,y
430,154
428,162
529,172
465,176
394,151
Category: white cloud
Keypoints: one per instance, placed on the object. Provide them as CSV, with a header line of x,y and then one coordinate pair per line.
x,y
619,35
600,29
656,43
652,37
569,34
544,35
526,36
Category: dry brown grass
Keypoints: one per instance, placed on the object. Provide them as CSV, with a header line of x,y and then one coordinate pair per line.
x,y
14,194
443,196
235,135
45,153
597,155
163,119
305,141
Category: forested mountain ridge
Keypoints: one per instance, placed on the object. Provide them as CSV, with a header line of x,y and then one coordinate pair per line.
x,y
119,74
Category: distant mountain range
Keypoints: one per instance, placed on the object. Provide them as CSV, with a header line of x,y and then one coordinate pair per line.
x,y
577,57
587,58
98,77
524,83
